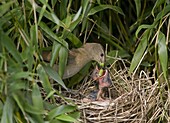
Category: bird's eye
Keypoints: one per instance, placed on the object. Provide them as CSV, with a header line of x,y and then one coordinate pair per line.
x,y
102,55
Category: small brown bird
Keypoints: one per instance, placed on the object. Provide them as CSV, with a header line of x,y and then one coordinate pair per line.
x,y
104,81
79,57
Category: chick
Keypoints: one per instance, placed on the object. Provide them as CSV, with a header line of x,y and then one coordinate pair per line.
x,y
104,81
79,57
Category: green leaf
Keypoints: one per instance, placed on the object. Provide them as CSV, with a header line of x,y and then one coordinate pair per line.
x,y
17,85
19,101
55,53
85,6
51,93
75,23
54,75
103,7
157,4
1,107
51,16
37,102
7,116
68,21
29,51
44,2
45,13
6,17
52,34
66,118
66,31
58,121
139,51
119,54
70,27
63,54
163,54
75,40
36,97
144,26
44,78
42,13
19,75
33,110
25,106
5,7
61,110
34,36
162,13
138,7
57,21
77,14
75,114
63,9
10,46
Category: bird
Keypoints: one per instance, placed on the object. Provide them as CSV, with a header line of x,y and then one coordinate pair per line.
x,y
103,81
78,58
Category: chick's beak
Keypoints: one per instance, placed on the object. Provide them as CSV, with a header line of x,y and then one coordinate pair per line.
x,y
105,80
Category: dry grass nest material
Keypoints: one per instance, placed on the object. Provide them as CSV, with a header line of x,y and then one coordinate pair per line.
x,y
137,99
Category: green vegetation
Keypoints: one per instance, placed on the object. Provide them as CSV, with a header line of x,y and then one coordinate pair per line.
x,y
136,31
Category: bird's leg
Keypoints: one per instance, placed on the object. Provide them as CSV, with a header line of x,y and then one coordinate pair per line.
x,y
99,95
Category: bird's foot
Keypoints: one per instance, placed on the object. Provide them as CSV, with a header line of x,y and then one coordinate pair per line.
x,y
100,99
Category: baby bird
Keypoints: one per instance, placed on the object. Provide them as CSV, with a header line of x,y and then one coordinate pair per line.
x,y
79,57
104,81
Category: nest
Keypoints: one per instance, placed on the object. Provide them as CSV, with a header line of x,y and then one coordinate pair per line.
x,y
130,99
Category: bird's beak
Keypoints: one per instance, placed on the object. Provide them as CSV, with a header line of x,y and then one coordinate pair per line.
x,y
101,64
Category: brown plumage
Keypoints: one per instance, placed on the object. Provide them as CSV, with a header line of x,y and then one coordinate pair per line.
x,y
79,57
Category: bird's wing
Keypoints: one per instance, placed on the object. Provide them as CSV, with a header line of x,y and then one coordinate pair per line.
x,y
72,56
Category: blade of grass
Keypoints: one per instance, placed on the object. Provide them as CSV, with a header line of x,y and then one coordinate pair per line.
x,y
51,33
163,54
37,102
77,15
5,7
61,110
44,78
103,7
7,116
54,75
55,53
10,46
66,118
43,9
75,40
63,54
36,97
138,7
157,4
139,51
